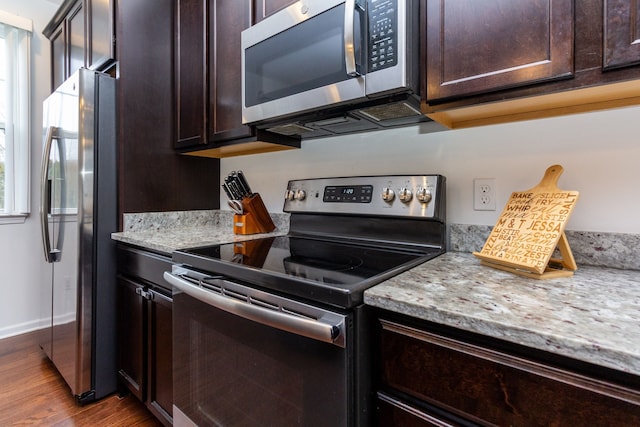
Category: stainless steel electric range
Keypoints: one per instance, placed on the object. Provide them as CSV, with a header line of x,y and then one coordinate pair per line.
x,y
273,331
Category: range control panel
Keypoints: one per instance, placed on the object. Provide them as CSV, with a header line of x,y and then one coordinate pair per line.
x,y
348,194
388,195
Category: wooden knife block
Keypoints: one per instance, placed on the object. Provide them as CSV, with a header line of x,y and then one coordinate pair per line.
x,y
256,218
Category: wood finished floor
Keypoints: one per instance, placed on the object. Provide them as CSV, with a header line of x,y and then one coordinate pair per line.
x,y
32,393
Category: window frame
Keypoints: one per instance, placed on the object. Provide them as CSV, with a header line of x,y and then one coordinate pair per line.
x,y
16,124
3,127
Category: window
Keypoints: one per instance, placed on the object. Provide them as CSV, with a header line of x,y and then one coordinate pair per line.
x,y
3,119
15,76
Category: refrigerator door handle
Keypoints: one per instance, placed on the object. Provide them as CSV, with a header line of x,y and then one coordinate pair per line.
x,y
45,198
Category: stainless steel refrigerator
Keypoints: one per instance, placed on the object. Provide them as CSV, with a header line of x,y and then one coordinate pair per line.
x,y
78,213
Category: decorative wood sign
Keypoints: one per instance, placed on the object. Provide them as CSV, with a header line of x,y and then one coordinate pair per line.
x,y
530,229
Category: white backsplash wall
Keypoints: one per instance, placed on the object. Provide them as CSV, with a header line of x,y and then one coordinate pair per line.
x,y
600,153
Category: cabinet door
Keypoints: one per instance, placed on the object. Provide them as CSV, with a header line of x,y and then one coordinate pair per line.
x,y
75,39
481,46
131,336
227,20
191,73
58,58
622,33
494,388
100,32
265,8
160,393
146,117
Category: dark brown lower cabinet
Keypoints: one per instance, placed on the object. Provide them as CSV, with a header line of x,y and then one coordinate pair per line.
x,y
432,380
394,412
145,359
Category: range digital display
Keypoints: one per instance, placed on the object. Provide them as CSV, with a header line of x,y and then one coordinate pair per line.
x,y
348,194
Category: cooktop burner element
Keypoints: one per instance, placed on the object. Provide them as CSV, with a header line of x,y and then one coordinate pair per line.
x,y
311,259
346,234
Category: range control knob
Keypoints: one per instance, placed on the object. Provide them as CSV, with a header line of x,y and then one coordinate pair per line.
x,y
423,194
405,195
388,195
289,195
300,195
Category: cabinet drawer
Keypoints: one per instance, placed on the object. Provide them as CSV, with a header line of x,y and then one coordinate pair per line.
x,y
143,265
490,387
393,412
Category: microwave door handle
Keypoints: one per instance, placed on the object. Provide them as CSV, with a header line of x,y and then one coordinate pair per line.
x,y
308,328
349,38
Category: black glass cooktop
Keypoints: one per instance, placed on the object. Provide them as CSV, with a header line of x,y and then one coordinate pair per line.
x,y
326,271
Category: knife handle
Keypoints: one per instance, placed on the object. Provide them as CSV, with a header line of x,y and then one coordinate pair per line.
x,y
226,190
244,183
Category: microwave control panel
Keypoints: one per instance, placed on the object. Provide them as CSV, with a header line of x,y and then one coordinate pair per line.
x,y
383,34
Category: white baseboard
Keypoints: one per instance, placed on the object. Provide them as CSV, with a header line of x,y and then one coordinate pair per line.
x,y
23,328
34,325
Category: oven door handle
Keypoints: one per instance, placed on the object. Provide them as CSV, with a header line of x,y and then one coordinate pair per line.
x,y
308,328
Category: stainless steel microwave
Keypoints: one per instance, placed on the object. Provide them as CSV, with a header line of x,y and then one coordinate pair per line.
x,y
319,55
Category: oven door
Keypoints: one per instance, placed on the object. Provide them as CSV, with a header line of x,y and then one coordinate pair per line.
x,y
243,357
304,57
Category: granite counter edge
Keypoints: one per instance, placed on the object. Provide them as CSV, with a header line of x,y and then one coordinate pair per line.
x,y
388,296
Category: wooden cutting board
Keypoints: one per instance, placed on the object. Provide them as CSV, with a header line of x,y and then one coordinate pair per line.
x,y
530,229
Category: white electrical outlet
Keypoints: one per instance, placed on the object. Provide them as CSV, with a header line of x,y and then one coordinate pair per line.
x,y
484,194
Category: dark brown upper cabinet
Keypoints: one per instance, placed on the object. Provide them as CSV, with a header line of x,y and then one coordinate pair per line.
x,y
75,39
208,85
152,177
482,46
191,73
81,34
228,18
266,8
66,33
622,33
100,33
59,69
508,60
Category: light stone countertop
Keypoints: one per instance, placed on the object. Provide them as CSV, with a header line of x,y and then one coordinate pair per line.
x,y
185,237
166,232
593,316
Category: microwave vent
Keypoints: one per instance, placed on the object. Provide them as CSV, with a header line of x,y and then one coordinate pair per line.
x,y
343,124
290,129
398,110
